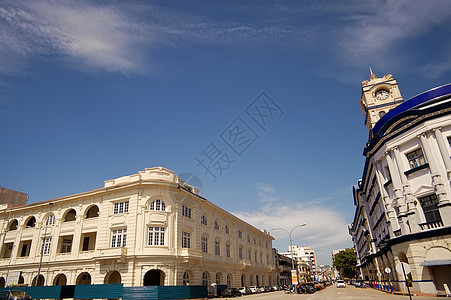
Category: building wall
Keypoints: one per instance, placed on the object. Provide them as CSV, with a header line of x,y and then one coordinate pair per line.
x,y
390,224
100,258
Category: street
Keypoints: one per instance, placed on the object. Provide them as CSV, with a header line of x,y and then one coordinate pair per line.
x,y
332,292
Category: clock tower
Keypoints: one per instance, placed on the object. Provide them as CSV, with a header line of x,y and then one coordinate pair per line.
x,y
379,96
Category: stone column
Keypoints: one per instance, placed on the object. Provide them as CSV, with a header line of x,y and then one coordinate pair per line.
x,y
444,203
386,201
436,177
399,197
412,211
443,150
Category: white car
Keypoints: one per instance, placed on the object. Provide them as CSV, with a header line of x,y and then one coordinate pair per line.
x,y
254,289
341,283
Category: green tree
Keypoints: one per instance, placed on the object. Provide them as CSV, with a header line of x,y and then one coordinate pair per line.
x,y
345,262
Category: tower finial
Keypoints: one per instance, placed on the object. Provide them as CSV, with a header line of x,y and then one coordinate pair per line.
x,y
372,76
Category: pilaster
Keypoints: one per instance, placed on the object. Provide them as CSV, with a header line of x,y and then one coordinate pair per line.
x,y
436,177
443,150
386,200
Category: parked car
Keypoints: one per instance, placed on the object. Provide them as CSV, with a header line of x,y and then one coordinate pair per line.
x,y
231,292
245,290
254,289
14,295
359,283
341,283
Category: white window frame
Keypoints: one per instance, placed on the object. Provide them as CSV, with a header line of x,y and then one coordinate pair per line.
x,y
121,207
203,220
50,220
204,244
417,160
186,240
155,236
119,238
186,211
46,245
157,204
217,248
228,250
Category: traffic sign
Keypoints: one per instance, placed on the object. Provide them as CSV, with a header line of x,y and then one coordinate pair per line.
x,y
407,268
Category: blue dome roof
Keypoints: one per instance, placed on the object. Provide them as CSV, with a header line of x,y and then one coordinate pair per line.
x,y
432,94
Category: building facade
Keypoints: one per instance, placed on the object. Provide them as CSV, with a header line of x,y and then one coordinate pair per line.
x,y
403,208
145,229
305,260
283,266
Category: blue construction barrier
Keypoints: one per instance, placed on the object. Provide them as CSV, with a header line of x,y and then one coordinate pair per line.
x,y
113,291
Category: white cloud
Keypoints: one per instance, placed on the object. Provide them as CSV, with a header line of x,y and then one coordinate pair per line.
x,y
375,33
83,34
326,227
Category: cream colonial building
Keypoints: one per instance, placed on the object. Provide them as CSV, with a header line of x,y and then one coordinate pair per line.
x,y
144,229
403,208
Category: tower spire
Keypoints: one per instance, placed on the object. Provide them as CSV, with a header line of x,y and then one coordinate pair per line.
x,y
372,76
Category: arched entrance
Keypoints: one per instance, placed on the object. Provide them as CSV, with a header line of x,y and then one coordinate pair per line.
x,y
154,277
186,278
21,280
112,277
257,281
60,279
83,278
2,282
40,280
243,280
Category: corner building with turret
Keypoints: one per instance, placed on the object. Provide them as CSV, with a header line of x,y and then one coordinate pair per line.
x,y
403,208
146,229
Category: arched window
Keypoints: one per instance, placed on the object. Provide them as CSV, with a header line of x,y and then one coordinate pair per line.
x,y
92,212
216,225
205,279
13,225
203,220
185,278
70,215
157,205
229,280
31,222
50,220
218,279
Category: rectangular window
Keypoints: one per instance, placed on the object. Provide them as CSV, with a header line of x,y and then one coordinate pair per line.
x,y
186,239
227,250
249,254
416,158
66,246
186,211
240,253
217,248
430,209
120,207
240,234
204,245
155,236
45,247
119,238
255,256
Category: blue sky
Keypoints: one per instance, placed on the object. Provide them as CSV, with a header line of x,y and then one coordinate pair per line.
x,y
95,90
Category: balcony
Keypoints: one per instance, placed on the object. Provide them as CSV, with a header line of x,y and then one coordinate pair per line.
x,y
431,225
90,223
111,253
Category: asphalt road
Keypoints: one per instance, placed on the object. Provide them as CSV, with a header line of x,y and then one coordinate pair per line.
x,y
332,292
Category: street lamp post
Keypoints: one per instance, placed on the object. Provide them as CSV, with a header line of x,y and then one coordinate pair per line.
x,y
291,247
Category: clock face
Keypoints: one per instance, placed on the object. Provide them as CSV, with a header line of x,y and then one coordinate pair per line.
x,y
382,94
